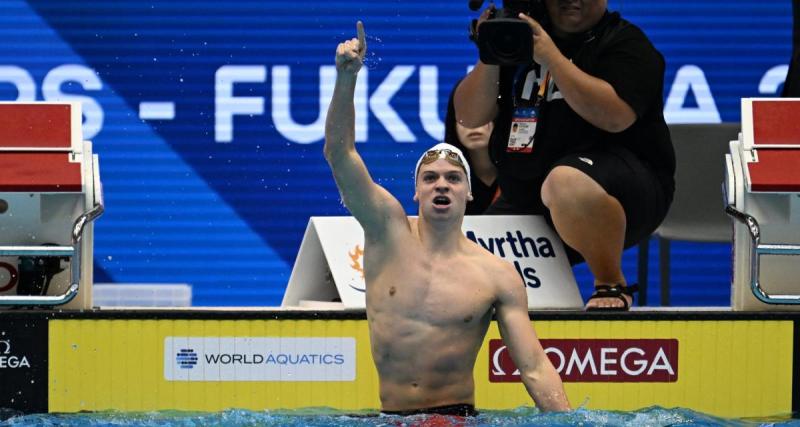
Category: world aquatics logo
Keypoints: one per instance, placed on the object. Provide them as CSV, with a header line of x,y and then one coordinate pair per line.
x,y
186,358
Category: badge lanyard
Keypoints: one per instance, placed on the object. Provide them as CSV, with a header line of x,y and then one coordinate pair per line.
x,y
526,116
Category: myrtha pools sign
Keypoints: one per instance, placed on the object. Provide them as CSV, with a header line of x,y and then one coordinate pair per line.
x,y
259,359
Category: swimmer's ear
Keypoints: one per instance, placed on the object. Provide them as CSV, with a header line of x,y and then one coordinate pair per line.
x,y
469,196
416,196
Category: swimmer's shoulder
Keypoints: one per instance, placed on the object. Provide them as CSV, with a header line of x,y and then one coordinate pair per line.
x,y
496,267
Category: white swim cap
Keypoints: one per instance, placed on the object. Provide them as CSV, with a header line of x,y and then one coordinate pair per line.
x,y
445,151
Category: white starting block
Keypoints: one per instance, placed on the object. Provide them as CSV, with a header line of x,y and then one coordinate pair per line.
x,y
763,194
49,195
329,270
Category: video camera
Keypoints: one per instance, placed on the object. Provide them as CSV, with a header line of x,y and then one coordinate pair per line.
x,y
504,39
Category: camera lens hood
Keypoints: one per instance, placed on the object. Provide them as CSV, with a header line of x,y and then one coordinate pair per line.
x,y
505,41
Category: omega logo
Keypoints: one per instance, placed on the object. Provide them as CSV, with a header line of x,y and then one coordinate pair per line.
x,y
596,360
8,360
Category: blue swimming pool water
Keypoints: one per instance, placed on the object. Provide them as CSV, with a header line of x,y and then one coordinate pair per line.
x,y
524,416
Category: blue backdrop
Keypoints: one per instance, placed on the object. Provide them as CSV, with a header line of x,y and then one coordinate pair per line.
x,y
218,194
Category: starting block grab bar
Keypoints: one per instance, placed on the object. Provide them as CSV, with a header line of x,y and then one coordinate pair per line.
x,y
757,249
73,253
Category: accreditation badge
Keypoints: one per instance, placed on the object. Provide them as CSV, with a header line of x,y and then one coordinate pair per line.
x,y
523,129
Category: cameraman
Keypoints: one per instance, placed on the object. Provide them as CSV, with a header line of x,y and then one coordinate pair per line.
x,y
592,151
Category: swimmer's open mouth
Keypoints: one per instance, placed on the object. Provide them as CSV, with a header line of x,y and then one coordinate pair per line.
x,y
441,201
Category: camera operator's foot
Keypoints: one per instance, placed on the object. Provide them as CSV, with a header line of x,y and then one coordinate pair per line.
x,y
612,297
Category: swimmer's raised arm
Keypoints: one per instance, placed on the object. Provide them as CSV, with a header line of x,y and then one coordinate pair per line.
x,y
369,203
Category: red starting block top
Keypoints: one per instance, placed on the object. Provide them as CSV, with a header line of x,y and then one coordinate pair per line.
x,y
39,172
35,125
776,122
775,171
25,128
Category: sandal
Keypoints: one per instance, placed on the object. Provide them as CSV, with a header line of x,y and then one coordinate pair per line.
x,y
613,291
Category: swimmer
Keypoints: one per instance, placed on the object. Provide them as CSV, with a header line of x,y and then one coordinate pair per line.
x,y
431,292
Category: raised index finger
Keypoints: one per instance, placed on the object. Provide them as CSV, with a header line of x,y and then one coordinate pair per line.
x,y
362,43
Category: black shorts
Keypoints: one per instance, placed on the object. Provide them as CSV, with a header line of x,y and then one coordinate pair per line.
x,y
622,175
457,410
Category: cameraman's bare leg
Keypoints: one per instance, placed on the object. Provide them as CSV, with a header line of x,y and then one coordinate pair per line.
x,y
590,221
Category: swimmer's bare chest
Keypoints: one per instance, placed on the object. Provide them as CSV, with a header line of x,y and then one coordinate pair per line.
x,y
418,293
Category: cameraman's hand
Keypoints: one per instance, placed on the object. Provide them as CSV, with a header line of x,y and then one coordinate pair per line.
x,y
544,49
486,14
350,53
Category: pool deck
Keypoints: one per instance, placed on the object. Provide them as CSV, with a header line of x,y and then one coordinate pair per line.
x,y
338,312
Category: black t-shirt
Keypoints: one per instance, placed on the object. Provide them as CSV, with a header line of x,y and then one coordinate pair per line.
x,y
615,51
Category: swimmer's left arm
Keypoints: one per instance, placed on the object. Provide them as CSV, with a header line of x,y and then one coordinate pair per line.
x,y
538,375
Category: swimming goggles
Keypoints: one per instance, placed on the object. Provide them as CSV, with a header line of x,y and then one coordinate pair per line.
x,y
451,156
